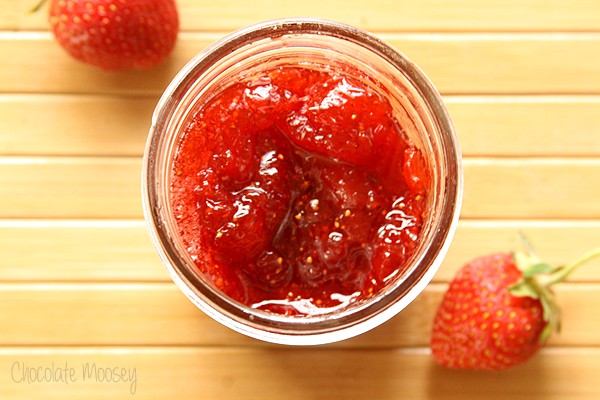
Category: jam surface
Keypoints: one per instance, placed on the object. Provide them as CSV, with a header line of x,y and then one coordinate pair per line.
x,y
296,191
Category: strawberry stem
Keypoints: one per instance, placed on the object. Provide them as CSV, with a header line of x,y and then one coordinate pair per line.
x,y
560,274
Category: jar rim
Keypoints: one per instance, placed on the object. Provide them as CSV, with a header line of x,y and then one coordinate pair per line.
x,y
306,330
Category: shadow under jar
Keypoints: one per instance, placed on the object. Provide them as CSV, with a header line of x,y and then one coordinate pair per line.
x,y
302,181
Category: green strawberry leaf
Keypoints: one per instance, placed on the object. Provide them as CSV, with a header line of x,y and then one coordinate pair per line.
x,y
546,333
548,309
523,289
539,268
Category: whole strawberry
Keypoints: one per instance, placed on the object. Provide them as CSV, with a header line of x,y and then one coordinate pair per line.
x,y
498,311
116,34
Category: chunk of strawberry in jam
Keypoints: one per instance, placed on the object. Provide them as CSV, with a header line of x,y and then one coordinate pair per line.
x,y
297,186
397,237
350,136
240,216
414,170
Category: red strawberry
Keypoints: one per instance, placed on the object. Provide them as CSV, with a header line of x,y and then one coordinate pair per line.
x,y
498,311
116,34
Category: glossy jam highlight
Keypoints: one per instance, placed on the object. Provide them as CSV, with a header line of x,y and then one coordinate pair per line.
x,y
297,192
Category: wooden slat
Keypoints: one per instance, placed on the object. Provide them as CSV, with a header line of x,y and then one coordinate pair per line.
x,y
557,242
109,188
229,374
97,250
70,187
117,125
456,63
74,125
159,314
78,251
104,314
531,188
20,72
527,125
402,15
507,64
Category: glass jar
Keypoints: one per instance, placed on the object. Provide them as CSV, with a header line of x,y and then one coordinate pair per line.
x,y
419,110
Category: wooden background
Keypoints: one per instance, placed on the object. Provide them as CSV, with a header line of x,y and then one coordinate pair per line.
x,y
80,282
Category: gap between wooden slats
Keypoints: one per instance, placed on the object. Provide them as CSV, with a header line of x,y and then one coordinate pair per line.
x,y
109,187
118,125
159,314
400,15
120,250
456,63
233,373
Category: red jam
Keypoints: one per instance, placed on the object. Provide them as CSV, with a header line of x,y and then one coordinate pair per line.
x,y
296,191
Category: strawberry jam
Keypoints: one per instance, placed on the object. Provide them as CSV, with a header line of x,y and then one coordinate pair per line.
x,y
296,190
